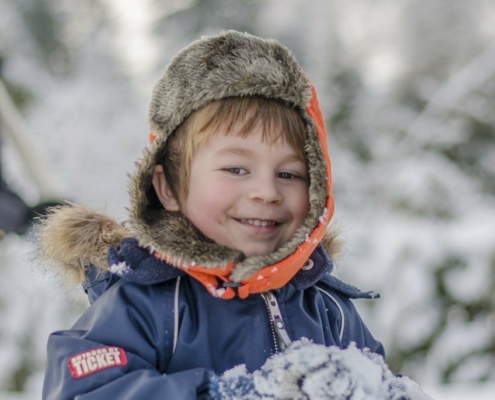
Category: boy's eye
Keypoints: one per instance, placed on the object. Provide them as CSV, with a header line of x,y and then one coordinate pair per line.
x,y
287,175
236,170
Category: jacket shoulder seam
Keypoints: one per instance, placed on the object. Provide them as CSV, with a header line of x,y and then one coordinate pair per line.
x,y
339,306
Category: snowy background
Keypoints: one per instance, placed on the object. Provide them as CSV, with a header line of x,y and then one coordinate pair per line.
x,y
408,92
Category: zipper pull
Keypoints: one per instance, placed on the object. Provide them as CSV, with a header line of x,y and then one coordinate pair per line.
x,y
277,320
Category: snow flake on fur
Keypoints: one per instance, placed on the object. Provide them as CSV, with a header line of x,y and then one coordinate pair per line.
x,y
119,269
134,263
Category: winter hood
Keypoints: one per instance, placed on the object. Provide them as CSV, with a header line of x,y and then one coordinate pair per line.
x,y
232,64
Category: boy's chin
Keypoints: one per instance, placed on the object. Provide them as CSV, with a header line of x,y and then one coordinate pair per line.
x,y
253,251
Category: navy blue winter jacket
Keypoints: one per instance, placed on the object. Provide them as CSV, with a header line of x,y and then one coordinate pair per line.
x,y
154,333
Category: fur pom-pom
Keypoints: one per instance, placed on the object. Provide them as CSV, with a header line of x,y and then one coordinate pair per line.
x,y
332,242
70,237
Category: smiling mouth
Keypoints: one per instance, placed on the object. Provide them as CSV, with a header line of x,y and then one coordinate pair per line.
x,y
259,222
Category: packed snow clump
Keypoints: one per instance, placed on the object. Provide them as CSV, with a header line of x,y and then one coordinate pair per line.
x,y
311,371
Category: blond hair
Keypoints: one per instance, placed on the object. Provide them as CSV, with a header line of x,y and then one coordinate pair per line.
x,y
278,121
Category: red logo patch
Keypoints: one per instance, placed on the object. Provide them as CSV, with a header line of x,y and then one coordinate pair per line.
x,y
94,360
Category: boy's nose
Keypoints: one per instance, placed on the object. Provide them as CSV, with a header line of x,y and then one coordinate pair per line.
x,y
265,190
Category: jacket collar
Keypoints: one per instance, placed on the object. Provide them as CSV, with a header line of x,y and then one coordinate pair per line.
x,y
134,263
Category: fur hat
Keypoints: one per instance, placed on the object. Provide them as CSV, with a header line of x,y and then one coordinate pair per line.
x,y
228,65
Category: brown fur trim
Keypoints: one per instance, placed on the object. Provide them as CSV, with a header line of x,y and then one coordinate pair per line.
x,y
70,237
332,242
230,64
185,244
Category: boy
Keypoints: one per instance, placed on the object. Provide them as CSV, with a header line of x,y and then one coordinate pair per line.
x,y
220,263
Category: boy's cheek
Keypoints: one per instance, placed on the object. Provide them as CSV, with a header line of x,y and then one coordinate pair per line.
x,y
209,193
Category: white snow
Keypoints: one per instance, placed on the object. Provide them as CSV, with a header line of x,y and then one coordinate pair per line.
x,y
310,371
119,268
216,292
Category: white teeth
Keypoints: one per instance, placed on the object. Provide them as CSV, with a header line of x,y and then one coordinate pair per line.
x,y
257,222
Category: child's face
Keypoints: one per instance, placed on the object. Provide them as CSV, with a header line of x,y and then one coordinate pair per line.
x,y
247,194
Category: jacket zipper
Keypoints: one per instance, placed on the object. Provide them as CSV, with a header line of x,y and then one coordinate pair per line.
x,y
280,336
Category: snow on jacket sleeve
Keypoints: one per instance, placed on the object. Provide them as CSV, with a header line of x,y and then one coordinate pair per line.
x,y
119,349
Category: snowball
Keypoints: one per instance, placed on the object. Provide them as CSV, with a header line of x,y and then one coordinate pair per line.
x,y
311,371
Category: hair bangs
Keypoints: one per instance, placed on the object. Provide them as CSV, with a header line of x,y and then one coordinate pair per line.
x,y
241,115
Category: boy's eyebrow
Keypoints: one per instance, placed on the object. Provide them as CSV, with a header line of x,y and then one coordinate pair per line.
x,y
235,150
245,152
